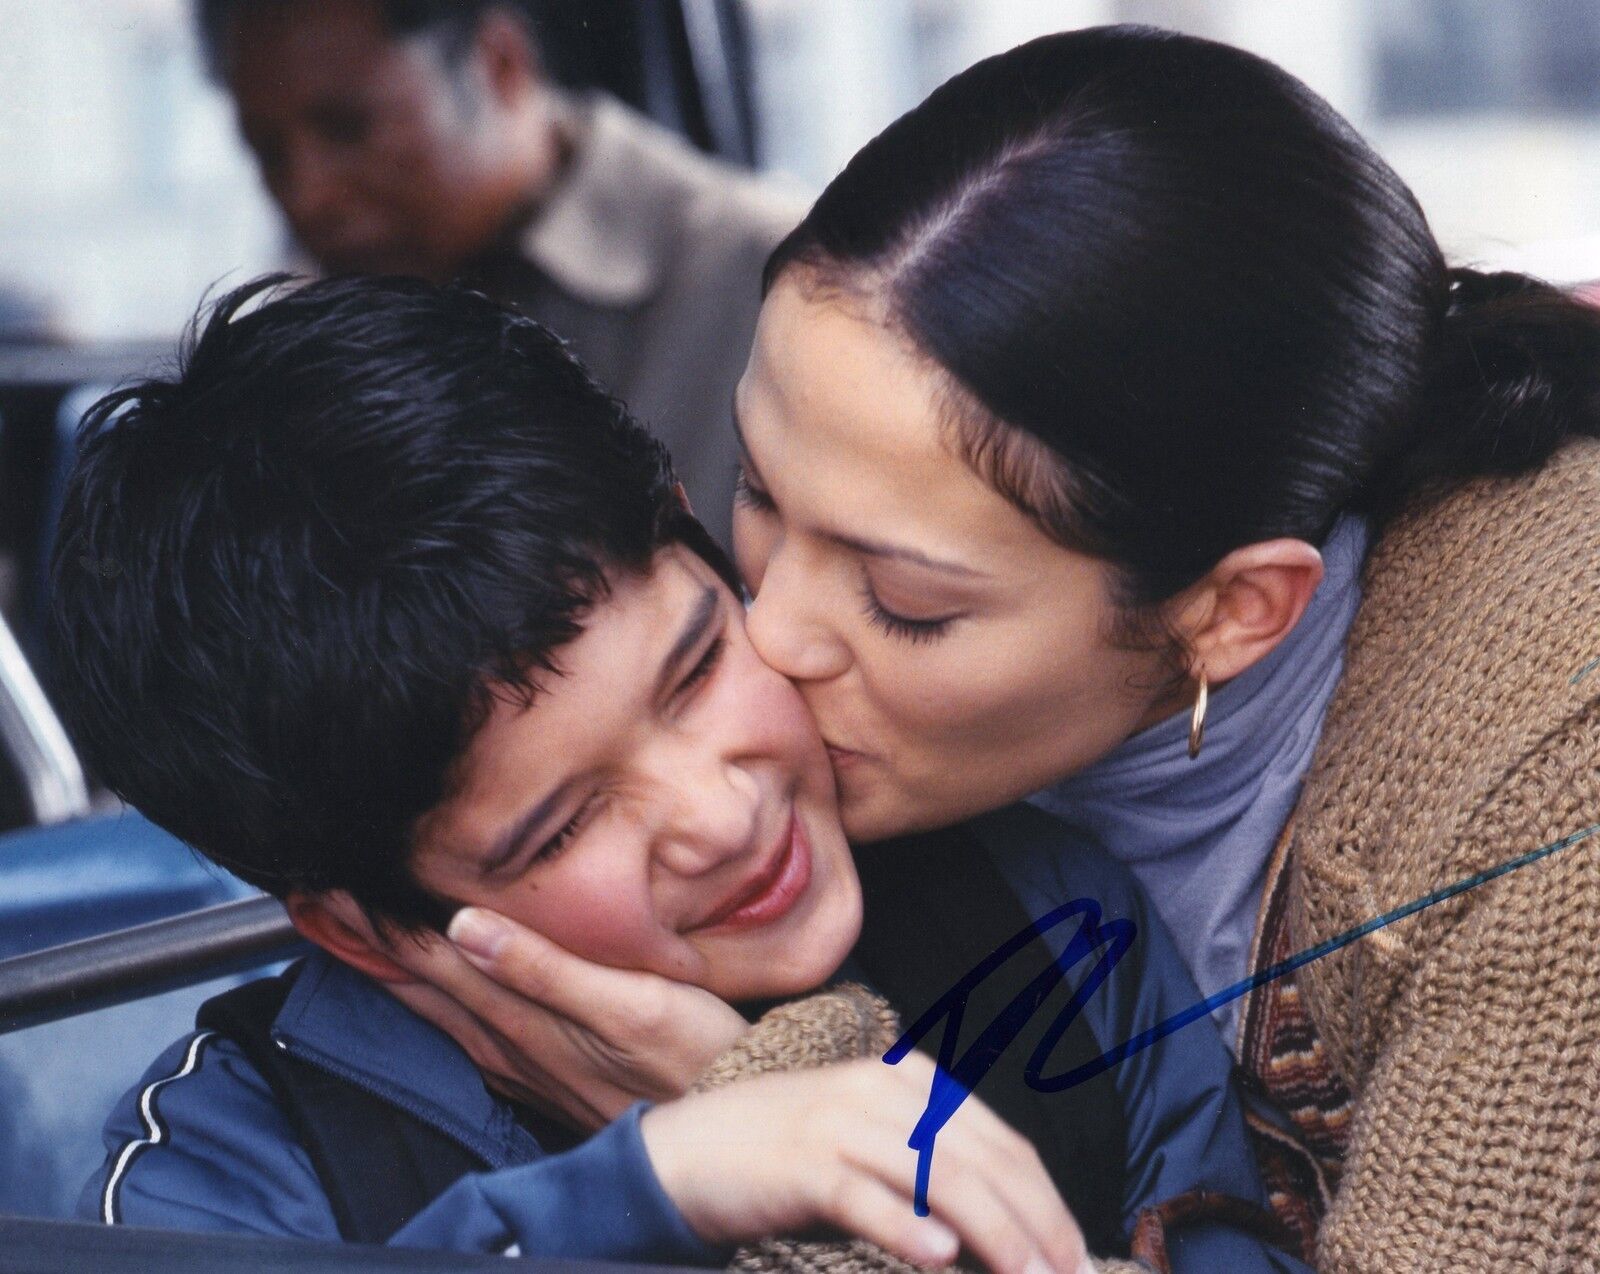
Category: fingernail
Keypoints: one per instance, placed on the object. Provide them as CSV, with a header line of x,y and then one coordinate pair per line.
x,y
938,1242
1037,1265
478,933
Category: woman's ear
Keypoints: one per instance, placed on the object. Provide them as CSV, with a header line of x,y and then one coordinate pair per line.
x,y
1248,603
336,922
683,498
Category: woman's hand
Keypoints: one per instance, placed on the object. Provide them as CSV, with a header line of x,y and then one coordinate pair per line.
x,y
550,1028
778,1154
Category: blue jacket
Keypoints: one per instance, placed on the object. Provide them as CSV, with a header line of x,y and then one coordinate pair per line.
x,y
1184,1115
201,1144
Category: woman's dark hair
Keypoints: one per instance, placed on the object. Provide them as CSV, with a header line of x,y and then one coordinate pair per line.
x,y
1182,306
289,578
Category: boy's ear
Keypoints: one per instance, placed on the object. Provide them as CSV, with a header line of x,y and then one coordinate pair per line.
x,y
683,498
336,923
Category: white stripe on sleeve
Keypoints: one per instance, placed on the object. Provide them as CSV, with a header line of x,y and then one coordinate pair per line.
x,y
155,1133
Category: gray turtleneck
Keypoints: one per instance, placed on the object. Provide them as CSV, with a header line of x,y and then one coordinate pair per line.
x,y
1198,834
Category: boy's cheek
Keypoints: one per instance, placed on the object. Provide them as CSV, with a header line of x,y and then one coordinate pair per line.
x,y
775,709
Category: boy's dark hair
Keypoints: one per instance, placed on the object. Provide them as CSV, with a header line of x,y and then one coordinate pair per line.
x,y
313,556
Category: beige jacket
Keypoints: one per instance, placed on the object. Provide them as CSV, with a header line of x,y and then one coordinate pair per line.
x,y
1466,731
647,260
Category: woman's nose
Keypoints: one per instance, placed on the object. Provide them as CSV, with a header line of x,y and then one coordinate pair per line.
x,y
788,623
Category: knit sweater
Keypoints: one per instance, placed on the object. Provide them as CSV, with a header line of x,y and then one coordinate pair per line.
x,y
837,1025
1466,731
848,1021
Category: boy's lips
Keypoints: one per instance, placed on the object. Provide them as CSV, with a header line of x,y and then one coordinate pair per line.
x,y
774,891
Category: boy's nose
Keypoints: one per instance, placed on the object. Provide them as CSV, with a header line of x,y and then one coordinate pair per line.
x,y
716,817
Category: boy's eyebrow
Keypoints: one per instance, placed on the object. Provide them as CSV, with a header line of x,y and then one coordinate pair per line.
x,y
867,548
510,842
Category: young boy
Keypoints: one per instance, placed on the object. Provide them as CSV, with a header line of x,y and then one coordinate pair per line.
x,y
410,616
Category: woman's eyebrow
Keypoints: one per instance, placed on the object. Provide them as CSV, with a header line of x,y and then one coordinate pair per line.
x,y
738,434
902,553
869,548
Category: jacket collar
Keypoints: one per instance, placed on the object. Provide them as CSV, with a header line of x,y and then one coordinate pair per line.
x,y
347,1024
601,234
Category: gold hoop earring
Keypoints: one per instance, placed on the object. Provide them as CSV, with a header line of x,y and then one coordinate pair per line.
x,y
1197,718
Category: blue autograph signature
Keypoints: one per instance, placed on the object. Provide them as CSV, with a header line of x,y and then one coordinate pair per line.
x,y
956,1077
1584,671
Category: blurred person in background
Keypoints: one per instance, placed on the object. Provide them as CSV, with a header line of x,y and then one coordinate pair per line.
x,y
424,137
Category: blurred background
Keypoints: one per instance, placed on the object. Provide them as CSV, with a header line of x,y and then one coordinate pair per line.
x,y
124,191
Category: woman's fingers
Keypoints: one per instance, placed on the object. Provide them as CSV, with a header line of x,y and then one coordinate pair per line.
x,y
586,1102
637,1011
517,957
496,1008
589,1039
478,973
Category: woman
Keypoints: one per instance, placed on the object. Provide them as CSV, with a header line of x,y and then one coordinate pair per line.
x,y
1116,431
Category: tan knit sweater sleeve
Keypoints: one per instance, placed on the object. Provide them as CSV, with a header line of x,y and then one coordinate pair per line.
x,y
1466,732
836,1025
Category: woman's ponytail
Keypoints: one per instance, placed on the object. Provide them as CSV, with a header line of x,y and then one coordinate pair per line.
x,y
1516,371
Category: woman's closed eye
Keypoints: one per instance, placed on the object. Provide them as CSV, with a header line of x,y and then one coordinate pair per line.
x,y
902,626
748,494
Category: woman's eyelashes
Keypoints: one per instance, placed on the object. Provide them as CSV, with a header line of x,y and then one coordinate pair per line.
x,y
902,626
748,494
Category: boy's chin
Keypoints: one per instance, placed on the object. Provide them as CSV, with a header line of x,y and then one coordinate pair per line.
x,y
785,981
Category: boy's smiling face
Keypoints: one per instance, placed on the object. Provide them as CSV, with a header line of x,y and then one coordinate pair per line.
x,y
665,804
